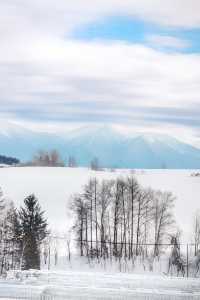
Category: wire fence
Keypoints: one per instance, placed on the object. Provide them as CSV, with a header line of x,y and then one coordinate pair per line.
x,y
128,257
188,253
131,255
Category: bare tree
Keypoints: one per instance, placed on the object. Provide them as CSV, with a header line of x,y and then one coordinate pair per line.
x,y
103,205
72,163
79,208
9,244
163,218
48,159
123,216
133,188
196,231
94,164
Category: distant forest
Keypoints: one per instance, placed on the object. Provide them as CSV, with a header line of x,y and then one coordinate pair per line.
x,y
8,160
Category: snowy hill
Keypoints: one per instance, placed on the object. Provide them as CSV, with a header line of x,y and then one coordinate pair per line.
x,y
53,187
113,149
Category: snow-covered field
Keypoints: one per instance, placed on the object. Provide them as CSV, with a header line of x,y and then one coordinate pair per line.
x,y
90,285
54,186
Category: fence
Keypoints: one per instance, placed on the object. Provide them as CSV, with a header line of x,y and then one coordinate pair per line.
x,y
84,286
173,259
128,255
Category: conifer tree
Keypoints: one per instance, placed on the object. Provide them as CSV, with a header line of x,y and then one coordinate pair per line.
x,y
33,232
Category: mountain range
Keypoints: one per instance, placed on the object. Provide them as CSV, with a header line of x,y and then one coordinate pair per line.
x,y
112,148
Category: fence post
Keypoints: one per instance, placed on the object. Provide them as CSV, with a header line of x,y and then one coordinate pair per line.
x,y
187,262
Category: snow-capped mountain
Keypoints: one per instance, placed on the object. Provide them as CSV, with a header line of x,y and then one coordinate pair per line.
x,y
112,148
17,141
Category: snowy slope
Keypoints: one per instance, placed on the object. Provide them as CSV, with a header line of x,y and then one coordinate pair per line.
x,y
90,285
149,151
54,186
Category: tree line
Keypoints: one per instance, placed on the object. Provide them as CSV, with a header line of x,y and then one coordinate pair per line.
x,y
21,234
8,160
52,158
118,218
112,219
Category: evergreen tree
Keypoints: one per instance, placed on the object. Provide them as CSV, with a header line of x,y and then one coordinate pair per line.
x,y
33,232
8,160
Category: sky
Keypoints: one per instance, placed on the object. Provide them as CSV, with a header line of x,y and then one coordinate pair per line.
x,y
133,64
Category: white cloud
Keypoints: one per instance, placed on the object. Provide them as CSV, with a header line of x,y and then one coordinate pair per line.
x,y
45,73
166,41
57,71
22,19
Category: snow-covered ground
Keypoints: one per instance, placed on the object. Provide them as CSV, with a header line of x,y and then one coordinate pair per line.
x,y
98,285
54,186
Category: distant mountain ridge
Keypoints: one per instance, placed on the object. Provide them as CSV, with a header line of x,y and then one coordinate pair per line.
x,y
113,149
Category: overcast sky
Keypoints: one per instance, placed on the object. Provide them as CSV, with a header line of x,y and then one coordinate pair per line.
x,y
132,63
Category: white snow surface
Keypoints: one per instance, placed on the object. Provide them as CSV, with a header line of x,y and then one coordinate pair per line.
x,y
98,285
55,186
